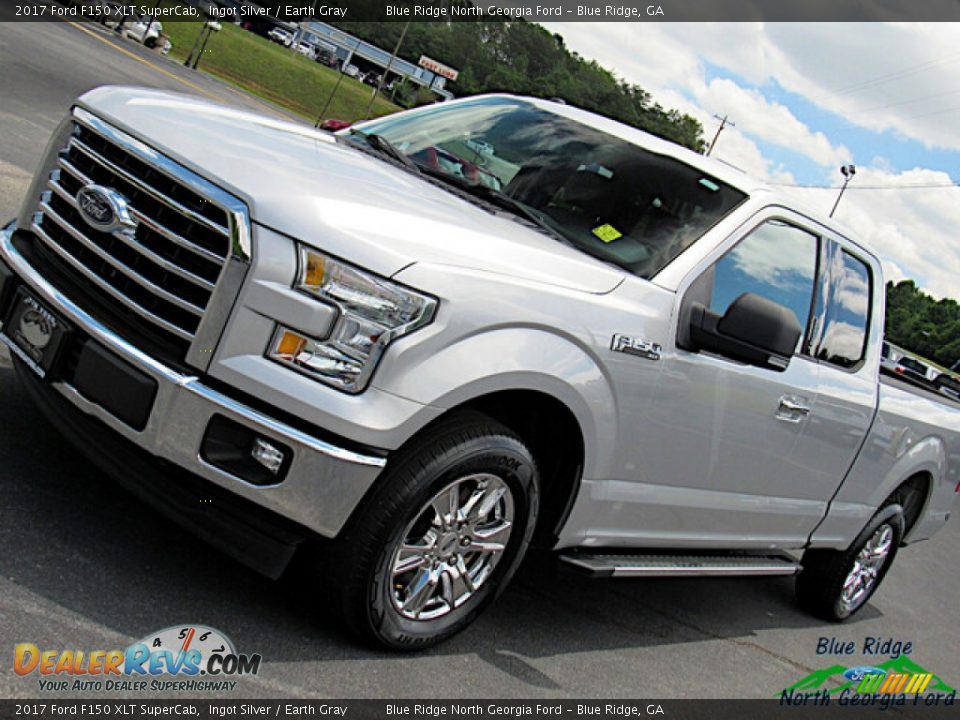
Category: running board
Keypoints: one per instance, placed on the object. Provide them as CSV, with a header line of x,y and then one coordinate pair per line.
x,y
609,564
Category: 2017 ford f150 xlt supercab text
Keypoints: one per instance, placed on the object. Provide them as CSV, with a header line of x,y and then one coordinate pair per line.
x,y
412,359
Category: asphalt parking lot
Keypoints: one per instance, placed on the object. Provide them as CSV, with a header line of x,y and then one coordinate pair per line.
x,y
85,565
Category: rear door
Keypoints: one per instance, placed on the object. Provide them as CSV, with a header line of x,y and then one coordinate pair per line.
x,y
847,323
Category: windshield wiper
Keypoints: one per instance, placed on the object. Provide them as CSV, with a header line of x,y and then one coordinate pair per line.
x,y
385,147
498,198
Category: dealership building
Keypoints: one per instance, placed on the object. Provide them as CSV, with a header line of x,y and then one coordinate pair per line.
x,y
350,49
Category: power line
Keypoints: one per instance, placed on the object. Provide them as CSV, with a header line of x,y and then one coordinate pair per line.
x,y
915,186
905,102
888,77
896,75
931,114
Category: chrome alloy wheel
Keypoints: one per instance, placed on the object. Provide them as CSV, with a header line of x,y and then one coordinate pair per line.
x,y
451,547
866,568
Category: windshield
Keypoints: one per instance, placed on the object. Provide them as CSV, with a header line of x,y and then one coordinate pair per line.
x,y
608,197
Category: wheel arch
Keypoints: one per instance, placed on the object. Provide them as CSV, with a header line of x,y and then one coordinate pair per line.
x,y
913,495
553,434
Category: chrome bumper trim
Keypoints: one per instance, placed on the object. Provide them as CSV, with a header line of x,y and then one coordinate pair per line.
x,y
325,482
190,383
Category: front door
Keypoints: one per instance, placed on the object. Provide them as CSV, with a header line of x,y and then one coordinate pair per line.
x,y
718,454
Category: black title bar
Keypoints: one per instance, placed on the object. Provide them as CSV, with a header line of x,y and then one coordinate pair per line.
x,y
492,10
819,706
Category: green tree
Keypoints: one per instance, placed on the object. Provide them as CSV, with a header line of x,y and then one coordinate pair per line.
x,y
526,59
917,322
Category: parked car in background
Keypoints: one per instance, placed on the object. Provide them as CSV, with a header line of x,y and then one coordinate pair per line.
x,y
887,361
948,384
281,35
481,146
306,49
913,369
145,31
326,57
333,125
351,70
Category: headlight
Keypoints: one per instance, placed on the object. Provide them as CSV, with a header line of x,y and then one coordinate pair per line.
x,y
373,312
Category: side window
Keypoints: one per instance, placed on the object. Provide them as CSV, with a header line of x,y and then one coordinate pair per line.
x,y
777,261
844,310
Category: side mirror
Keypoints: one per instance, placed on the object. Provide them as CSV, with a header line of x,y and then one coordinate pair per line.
x,y
754,330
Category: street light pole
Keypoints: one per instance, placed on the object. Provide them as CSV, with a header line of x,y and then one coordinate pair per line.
x,y
848,172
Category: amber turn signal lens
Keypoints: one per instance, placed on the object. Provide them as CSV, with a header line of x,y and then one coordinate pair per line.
x,y
313,277
290,344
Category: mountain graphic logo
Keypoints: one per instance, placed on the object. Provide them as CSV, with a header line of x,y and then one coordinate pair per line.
x,y
897,675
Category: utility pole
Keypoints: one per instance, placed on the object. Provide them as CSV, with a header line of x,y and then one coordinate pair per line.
x,y
196,60
848,172
196,44
193,59
396,49
150,23
724,121
333,91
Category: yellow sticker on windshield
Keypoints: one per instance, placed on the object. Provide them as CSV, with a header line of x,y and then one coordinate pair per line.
x,y
606,232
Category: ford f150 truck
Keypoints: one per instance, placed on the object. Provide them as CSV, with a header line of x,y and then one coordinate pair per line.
x,y
410,359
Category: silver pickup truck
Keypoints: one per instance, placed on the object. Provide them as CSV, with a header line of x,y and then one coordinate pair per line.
x,y
408,352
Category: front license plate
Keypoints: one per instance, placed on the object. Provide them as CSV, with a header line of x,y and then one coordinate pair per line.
x,y
34,334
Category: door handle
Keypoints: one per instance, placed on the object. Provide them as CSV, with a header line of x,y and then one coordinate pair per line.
x,y
791,409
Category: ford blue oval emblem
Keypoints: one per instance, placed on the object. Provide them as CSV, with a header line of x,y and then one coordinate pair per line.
x,y
856,674
104,209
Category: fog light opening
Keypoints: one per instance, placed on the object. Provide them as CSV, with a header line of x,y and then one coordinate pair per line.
x,y
245,453
268,455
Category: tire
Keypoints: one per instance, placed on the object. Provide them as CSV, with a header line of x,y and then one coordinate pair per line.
x,y
820,585
466,459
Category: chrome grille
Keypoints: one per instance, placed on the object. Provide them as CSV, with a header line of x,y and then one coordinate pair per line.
x,y
161,277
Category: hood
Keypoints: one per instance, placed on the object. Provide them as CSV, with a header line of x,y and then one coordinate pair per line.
x,y
300,182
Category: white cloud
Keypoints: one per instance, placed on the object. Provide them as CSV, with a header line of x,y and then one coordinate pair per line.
x,y
770,121
896,77
913,230
671,67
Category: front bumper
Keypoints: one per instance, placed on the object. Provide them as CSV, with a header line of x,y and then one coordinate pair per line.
x,y
325,481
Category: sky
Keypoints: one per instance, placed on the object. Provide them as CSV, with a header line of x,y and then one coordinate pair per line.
x,y
808,98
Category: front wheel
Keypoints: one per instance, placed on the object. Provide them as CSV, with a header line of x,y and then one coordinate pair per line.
x,y
440,537
834,584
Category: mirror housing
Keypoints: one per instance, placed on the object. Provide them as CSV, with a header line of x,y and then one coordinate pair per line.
x,y
753,330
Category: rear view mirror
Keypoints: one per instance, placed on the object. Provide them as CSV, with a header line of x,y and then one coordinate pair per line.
x,y
753,330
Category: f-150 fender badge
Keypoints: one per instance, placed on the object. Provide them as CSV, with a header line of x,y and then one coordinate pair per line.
x,y
635,346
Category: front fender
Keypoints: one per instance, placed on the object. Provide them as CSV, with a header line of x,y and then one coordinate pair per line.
x,y
517,358
494,333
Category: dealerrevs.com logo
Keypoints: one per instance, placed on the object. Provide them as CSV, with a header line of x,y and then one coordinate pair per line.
x,y
182,657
